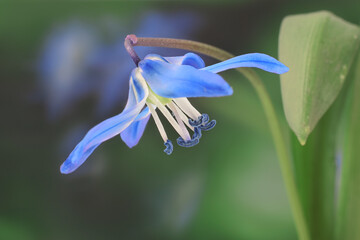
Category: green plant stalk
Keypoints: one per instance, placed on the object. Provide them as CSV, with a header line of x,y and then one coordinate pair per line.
x,y
277,134
348,212
315,171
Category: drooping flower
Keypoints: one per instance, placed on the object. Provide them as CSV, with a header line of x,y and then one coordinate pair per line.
x,y
77,61
112,61
165,84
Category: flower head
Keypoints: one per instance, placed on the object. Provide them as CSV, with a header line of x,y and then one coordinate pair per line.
x,y
164,84
79,60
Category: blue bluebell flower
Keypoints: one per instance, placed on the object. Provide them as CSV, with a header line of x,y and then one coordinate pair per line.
x,y
165,84
114,62
77,62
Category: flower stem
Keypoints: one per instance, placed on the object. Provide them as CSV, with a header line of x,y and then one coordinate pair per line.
x,y
129,42
283,153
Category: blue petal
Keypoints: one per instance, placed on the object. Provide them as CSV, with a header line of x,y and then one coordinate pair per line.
x,y
107,129
132,134
190,59
155,57
257,60
144,113
175,81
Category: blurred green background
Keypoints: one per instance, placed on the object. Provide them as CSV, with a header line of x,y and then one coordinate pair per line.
x,y
227,187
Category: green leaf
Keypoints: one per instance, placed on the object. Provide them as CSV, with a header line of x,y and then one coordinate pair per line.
x,y
319,49
315,171
349,197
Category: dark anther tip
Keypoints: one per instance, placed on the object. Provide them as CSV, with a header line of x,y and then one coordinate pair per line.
x,y
190,143
197,133
169,147
208,126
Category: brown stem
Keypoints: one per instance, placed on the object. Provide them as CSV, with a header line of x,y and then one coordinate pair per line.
x,y
129,42
184,44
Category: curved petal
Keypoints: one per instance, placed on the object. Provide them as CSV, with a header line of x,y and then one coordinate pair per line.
x,y
190,59
257,60
144,113
107,129
155,57
175,81
132,134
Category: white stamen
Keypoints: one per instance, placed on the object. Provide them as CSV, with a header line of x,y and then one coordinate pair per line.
x,y
187,108
167,114
180,122
157,122
183,117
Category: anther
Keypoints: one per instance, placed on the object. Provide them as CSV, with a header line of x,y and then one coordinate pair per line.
x,y
169,147
197,133
208,126
196,123
205,118
190,143
203,122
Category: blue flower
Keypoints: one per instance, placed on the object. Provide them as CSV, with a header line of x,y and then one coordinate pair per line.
x,y
77,61
165,84
113,61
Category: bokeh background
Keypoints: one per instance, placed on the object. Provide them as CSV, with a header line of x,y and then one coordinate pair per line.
x,y
63,69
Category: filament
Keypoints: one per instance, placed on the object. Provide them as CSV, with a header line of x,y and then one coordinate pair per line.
x,y
180,122
158,122
187,108
167,114
183,117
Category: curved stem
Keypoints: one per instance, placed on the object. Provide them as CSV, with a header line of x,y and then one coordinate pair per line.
x,y
284,156
129,42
